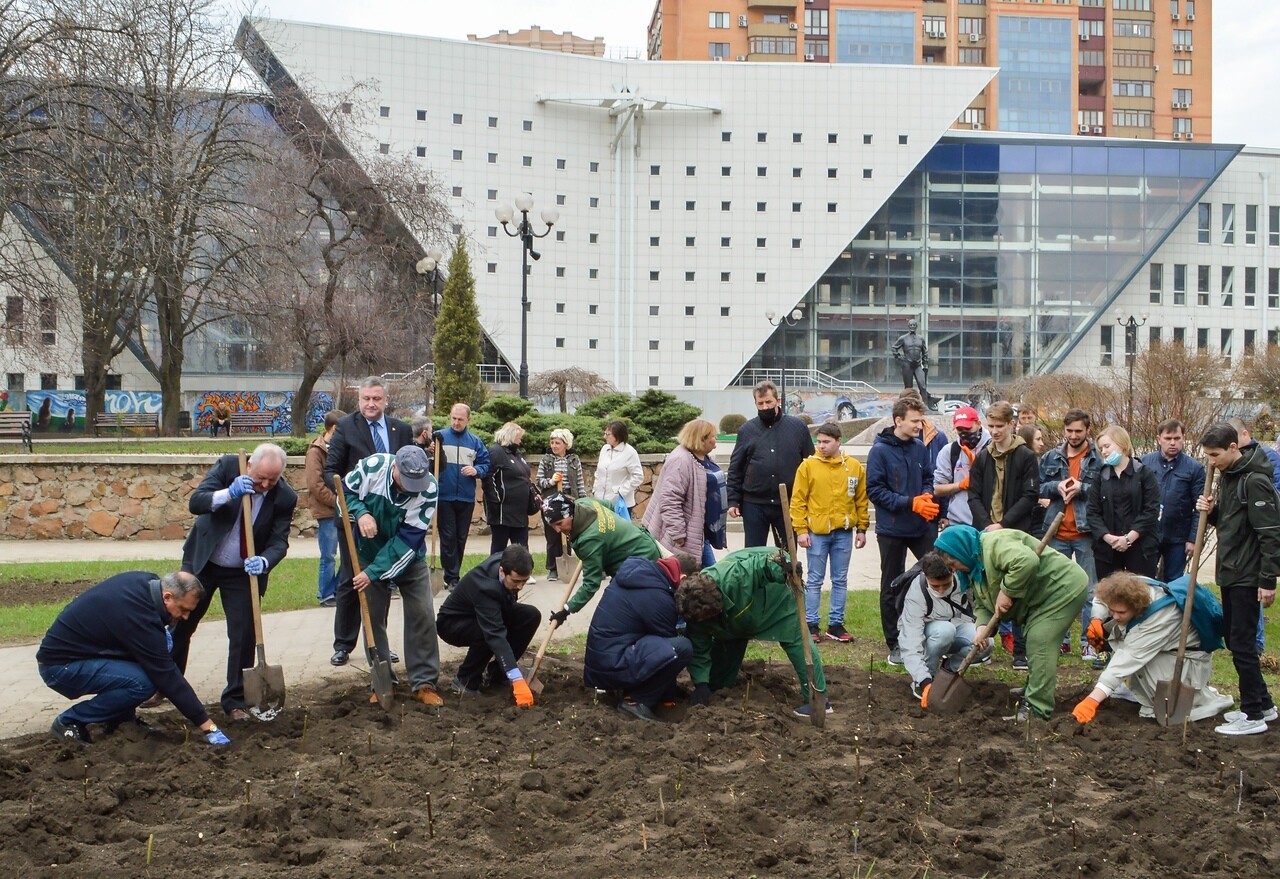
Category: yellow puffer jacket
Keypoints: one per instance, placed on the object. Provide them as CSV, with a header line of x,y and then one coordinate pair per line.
x,y
821,501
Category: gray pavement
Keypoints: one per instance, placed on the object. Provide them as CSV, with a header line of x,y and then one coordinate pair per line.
x,y
300,641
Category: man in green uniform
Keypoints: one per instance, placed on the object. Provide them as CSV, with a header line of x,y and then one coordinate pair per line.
x,y
999,569
601,541
743,597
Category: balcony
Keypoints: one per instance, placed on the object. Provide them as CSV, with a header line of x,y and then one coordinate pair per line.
x,y
1092,102
770,4
1092,73
760,29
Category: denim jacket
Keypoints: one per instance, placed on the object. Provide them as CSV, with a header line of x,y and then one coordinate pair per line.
x,y
1181,482
1054,469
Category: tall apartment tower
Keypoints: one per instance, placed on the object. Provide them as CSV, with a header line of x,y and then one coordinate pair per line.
x,y
1119,68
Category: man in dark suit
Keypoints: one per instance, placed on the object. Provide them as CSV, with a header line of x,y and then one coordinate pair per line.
x,y
362,433
216,552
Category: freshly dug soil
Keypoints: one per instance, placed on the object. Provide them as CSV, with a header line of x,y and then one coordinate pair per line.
x,y
50,592
336,787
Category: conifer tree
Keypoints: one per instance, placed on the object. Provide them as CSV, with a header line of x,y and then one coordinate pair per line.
x,y
457,342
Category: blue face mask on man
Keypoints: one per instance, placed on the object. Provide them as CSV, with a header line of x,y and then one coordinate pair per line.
x,y
1113,459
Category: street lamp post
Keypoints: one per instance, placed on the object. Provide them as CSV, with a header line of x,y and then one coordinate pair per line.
x,y
1130,325
524,231
429,268
787,320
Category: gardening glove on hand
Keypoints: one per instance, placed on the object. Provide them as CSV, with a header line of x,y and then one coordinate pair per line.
x,y
701,695
239,487
524,696
217,738
1085,711
963,484
558,617
1097,637
255,565
921,691
923,506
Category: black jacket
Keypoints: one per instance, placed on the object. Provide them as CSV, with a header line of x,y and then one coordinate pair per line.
x,y
764,456
352,441
508,488
1137,486
1248,523
1021,488
630,637
480,596
270,527
123,617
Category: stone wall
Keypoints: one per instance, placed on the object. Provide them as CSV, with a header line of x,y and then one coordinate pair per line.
x,y
143,497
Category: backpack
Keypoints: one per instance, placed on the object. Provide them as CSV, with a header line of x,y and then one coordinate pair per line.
x,y
1206,613
901,585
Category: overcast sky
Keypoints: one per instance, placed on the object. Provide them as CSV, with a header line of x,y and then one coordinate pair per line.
x,y
1246,40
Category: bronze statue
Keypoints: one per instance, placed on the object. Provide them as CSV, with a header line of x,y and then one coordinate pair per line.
x,y
912,353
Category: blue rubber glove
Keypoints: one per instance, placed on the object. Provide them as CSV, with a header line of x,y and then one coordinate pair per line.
x,y
239,487
515,675
255,565
217,738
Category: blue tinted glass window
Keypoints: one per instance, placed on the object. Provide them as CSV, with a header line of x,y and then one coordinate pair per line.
x,y
1034,84
1124,160
867,37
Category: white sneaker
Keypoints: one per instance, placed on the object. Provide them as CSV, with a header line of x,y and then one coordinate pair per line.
x,y
1242,727
532,581
1232,716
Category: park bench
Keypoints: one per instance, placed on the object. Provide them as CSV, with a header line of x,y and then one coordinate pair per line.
x,y
264,420
121,420
17,424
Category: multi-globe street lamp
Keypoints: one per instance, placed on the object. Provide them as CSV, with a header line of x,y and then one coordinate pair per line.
x,y
787,320
429,269
524,231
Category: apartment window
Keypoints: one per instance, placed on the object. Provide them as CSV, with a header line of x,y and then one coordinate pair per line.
x,y
1091,57
559,308
1129,58
561,164
866,140
1250,287
560,271
761,242
724,277
457,192
1273,288
593,309
1273,226
796,137
493,121
726,136
1131,5
796,206
833,173
421,152
560,341
726,206
724,311
654,240
771,45
717,50
1090,28
832,137
1225,345
689,240
690,205
421,188
689,276
762,136
346,108
725,240
1130,27
866,173
528,125
762,171
653,344
1182,66
593,201
795,172
1228,286
653,381
816,22
384,112
595,167
1153,336
13,319
422,115
688,344
1202,285
726,170
655,204
973,56
1182,39
1104,342
1203,218
1250,341
760,276
384,148
559,234
761,207
457,155
1179,284
491,268
457,118
975,117
48,381
593,274
1181,98
967,26
832,207
1131,88
593,343
1131,118
795,243
1180,336
718,20
493,158
16,381
1228,224
526,161
1202,340
593,237
1251,224
1156,284
688,311
690,170
653,275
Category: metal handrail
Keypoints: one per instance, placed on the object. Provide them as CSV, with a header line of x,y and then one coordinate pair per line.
x,y
804,378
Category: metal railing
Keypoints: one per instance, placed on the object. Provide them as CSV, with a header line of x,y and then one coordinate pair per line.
x,y
803,379
490,374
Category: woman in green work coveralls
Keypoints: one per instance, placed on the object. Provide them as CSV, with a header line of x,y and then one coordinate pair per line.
x,y
1000,570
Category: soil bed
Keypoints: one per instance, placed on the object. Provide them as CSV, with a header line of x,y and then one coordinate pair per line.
x,y
573,789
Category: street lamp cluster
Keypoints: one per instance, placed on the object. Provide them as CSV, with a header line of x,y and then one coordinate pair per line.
x,y
1130,325
524,231
787,320
429,268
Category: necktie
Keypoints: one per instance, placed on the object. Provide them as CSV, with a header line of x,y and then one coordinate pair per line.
x,y
244,540
376,430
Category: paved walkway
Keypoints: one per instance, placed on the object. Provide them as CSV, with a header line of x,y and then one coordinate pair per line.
x,y
300,641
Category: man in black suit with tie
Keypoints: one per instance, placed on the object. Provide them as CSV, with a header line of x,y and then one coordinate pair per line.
x,y
216,552
361,434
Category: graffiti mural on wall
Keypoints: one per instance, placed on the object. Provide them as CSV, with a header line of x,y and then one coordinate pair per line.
x,y
826,406
277,403
63,411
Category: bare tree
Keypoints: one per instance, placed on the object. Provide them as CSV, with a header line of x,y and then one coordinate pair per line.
x,y
337,243
1174,381
571,381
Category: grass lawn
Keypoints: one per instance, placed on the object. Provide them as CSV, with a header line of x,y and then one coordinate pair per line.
x,y
293,587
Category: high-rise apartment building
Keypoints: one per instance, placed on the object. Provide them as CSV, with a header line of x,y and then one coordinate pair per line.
x,y
1119,68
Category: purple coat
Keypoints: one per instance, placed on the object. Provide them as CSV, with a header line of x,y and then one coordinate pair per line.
x,y
678,508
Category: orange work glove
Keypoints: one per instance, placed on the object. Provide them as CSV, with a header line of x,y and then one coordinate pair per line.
x,y
923,505
1085,711
524,696
1097,638
964,483
924,695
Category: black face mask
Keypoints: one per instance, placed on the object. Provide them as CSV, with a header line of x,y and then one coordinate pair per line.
x,y
769,416
970,440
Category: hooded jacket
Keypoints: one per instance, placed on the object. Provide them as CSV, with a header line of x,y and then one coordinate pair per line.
x,y
602,542
897,471
821,502
1248,531
631,630
953,465
1021,486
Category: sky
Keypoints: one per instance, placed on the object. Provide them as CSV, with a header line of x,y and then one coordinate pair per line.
x,y
1246,44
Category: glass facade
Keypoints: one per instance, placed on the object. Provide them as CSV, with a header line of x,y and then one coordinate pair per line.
x,y
1006,252
1035,83
868,37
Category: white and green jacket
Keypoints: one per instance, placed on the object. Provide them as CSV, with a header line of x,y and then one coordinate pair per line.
x,y
403,518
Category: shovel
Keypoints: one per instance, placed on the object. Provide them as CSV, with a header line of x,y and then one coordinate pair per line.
x,y
379,668
433,561
949,692
531,677
263,684
817,698
1173,698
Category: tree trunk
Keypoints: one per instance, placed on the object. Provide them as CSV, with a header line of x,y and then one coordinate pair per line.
x,y
172,355
94,361
302,397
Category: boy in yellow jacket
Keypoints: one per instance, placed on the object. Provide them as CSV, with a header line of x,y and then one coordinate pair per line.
x,y
828,504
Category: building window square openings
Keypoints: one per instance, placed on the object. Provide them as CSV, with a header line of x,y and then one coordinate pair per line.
x,y
384,112
718,20
421,152
422,115
457,118
493,121
717,50
384,148
528,125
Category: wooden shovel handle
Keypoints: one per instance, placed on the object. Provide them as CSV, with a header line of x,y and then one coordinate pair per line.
x,y
793,580
246,518
355,564
553,625
1192,573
